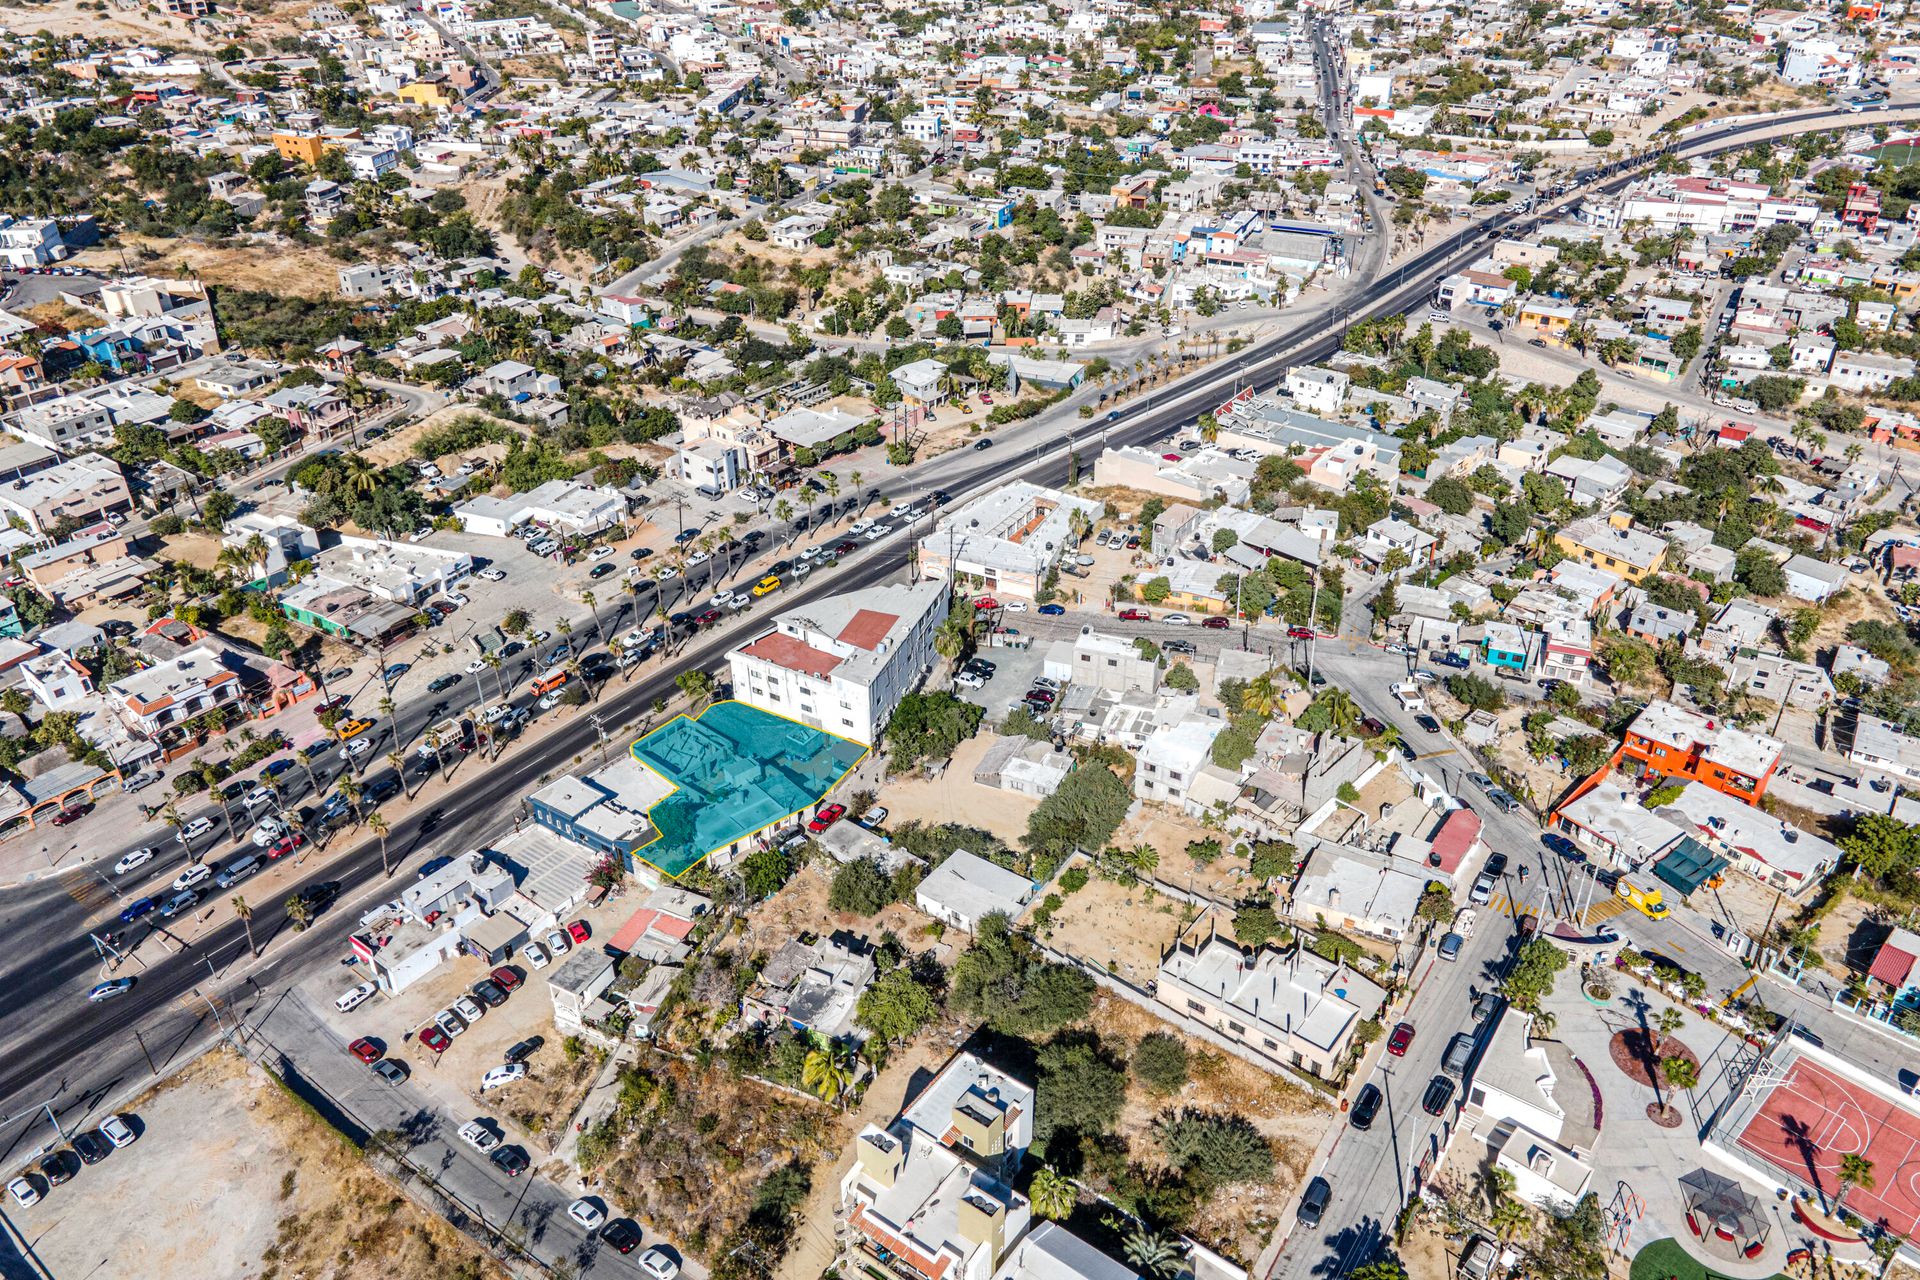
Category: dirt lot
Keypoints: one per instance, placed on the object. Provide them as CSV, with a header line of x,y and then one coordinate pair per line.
x,y
1087,926
801,906
954,796
1293,1120
277,268
1224,879
1858,602
274,1193
397,447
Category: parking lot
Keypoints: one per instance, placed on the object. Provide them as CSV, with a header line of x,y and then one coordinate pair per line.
x,y
1014,673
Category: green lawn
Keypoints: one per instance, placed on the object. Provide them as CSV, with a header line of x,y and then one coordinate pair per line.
x,y
1897,155
1668,1258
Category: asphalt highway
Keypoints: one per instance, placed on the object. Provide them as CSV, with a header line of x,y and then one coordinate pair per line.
x,y
80,1057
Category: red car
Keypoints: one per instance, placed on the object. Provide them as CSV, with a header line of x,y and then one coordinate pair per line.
x,y
285,845
365,1050
708,618
827,817
578,931
434,1038
74,814
1135,615
1402,1037
846,548
505,979
1170,457
1299,633
332,704
1215,623
986,602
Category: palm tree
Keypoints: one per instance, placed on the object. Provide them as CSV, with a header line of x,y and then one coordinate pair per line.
x,y
378,825
832,482
299,912
1261,696
828,1073
587,598
359,475
399,763
783,511
1667,1024
955,635
1152,1254
494,662
245,912
351,790
305,757
1051,1195
1510,1218
1855,1171
172,817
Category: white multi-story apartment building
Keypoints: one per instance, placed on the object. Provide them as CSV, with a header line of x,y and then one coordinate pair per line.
x,y
842,664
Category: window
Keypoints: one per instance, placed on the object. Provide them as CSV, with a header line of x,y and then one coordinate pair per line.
x,y
1236,1028
1196,1006
966,1142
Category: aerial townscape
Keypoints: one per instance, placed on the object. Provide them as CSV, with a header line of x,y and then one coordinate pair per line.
x,y
1095,640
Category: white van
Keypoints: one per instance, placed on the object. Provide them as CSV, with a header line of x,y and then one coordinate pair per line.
x,y
237,870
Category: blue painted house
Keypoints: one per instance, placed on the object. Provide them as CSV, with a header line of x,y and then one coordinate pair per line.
x,y
1505,646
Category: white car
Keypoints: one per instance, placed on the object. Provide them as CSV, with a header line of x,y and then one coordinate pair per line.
x,y
497,712
659,1265
583,1211
191,877
874,816
355,997
137,858
458,598
876,533
559,943
1463,923
536,955
1015,606
420,535
258,798
860,527
505,1074
664,572
475,667
478,1135
600,553
1177,620
698,557
968,680
193,830
541,637
449,1023
267,831
118,1131
492,575
469,1008
357,748
550,700
23,1192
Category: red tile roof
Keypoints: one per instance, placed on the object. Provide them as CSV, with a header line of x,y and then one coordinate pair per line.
x,y
792,655
1455,837
867,628
1891,965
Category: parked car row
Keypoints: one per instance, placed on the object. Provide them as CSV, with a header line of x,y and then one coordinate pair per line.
x,y
90,1147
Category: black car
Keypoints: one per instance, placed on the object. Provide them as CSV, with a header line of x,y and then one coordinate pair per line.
x,y
525,1049
381,789
1428,723
440,684
779,567
59,1167
1179,646
92,1146
980,666
680,619
600,571
941,497
1496,863
487,993
985,442
1439,1094
1365,1107
641,553
511,1159
118,628
1313,1202
622,1235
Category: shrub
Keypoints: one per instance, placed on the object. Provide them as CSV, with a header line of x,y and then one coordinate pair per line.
x,y
1218,1148
1160,1062
860,887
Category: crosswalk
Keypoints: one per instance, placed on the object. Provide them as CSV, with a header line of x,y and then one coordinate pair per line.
x,y
84,888
1604,909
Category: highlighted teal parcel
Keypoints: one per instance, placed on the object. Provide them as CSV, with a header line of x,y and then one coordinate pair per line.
x,y
735,770
696,787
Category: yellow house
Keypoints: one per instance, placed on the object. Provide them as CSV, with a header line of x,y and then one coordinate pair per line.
x,y
433,92
300,148
1607,545
1547,318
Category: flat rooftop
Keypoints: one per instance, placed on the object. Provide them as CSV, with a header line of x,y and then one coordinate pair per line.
x,y
734,770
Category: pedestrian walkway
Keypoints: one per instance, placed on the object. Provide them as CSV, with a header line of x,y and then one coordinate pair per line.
x,y
1605,909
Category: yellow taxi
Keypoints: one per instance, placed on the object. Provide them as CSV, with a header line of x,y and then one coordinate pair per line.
x,y
352,728
766,585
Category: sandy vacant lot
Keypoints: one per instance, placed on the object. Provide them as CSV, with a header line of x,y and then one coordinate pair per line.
x,y
955,797
277,268
1126,925
231,1178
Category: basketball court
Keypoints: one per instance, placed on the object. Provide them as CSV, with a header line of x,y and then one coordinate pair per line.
x,y
1811,1116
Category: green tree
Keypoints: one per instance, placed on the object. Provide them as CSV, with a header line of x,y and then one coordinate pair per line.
x,y
1680,1072
896,1006
1855,1171
697,685
1052,1195
762,872
1080,1090
1160,1062
999,980
1152,1254
1218,1147
829,1072
1082,813
1882,846
929,726
860,887
1451,495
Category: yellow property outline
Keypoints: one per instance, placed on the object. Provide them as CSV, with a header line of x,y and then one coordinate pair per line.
x,y
634,751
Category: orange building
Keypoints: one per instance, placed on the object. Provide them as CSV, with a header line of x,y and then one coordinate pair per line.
x,y
1685,745
301,148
